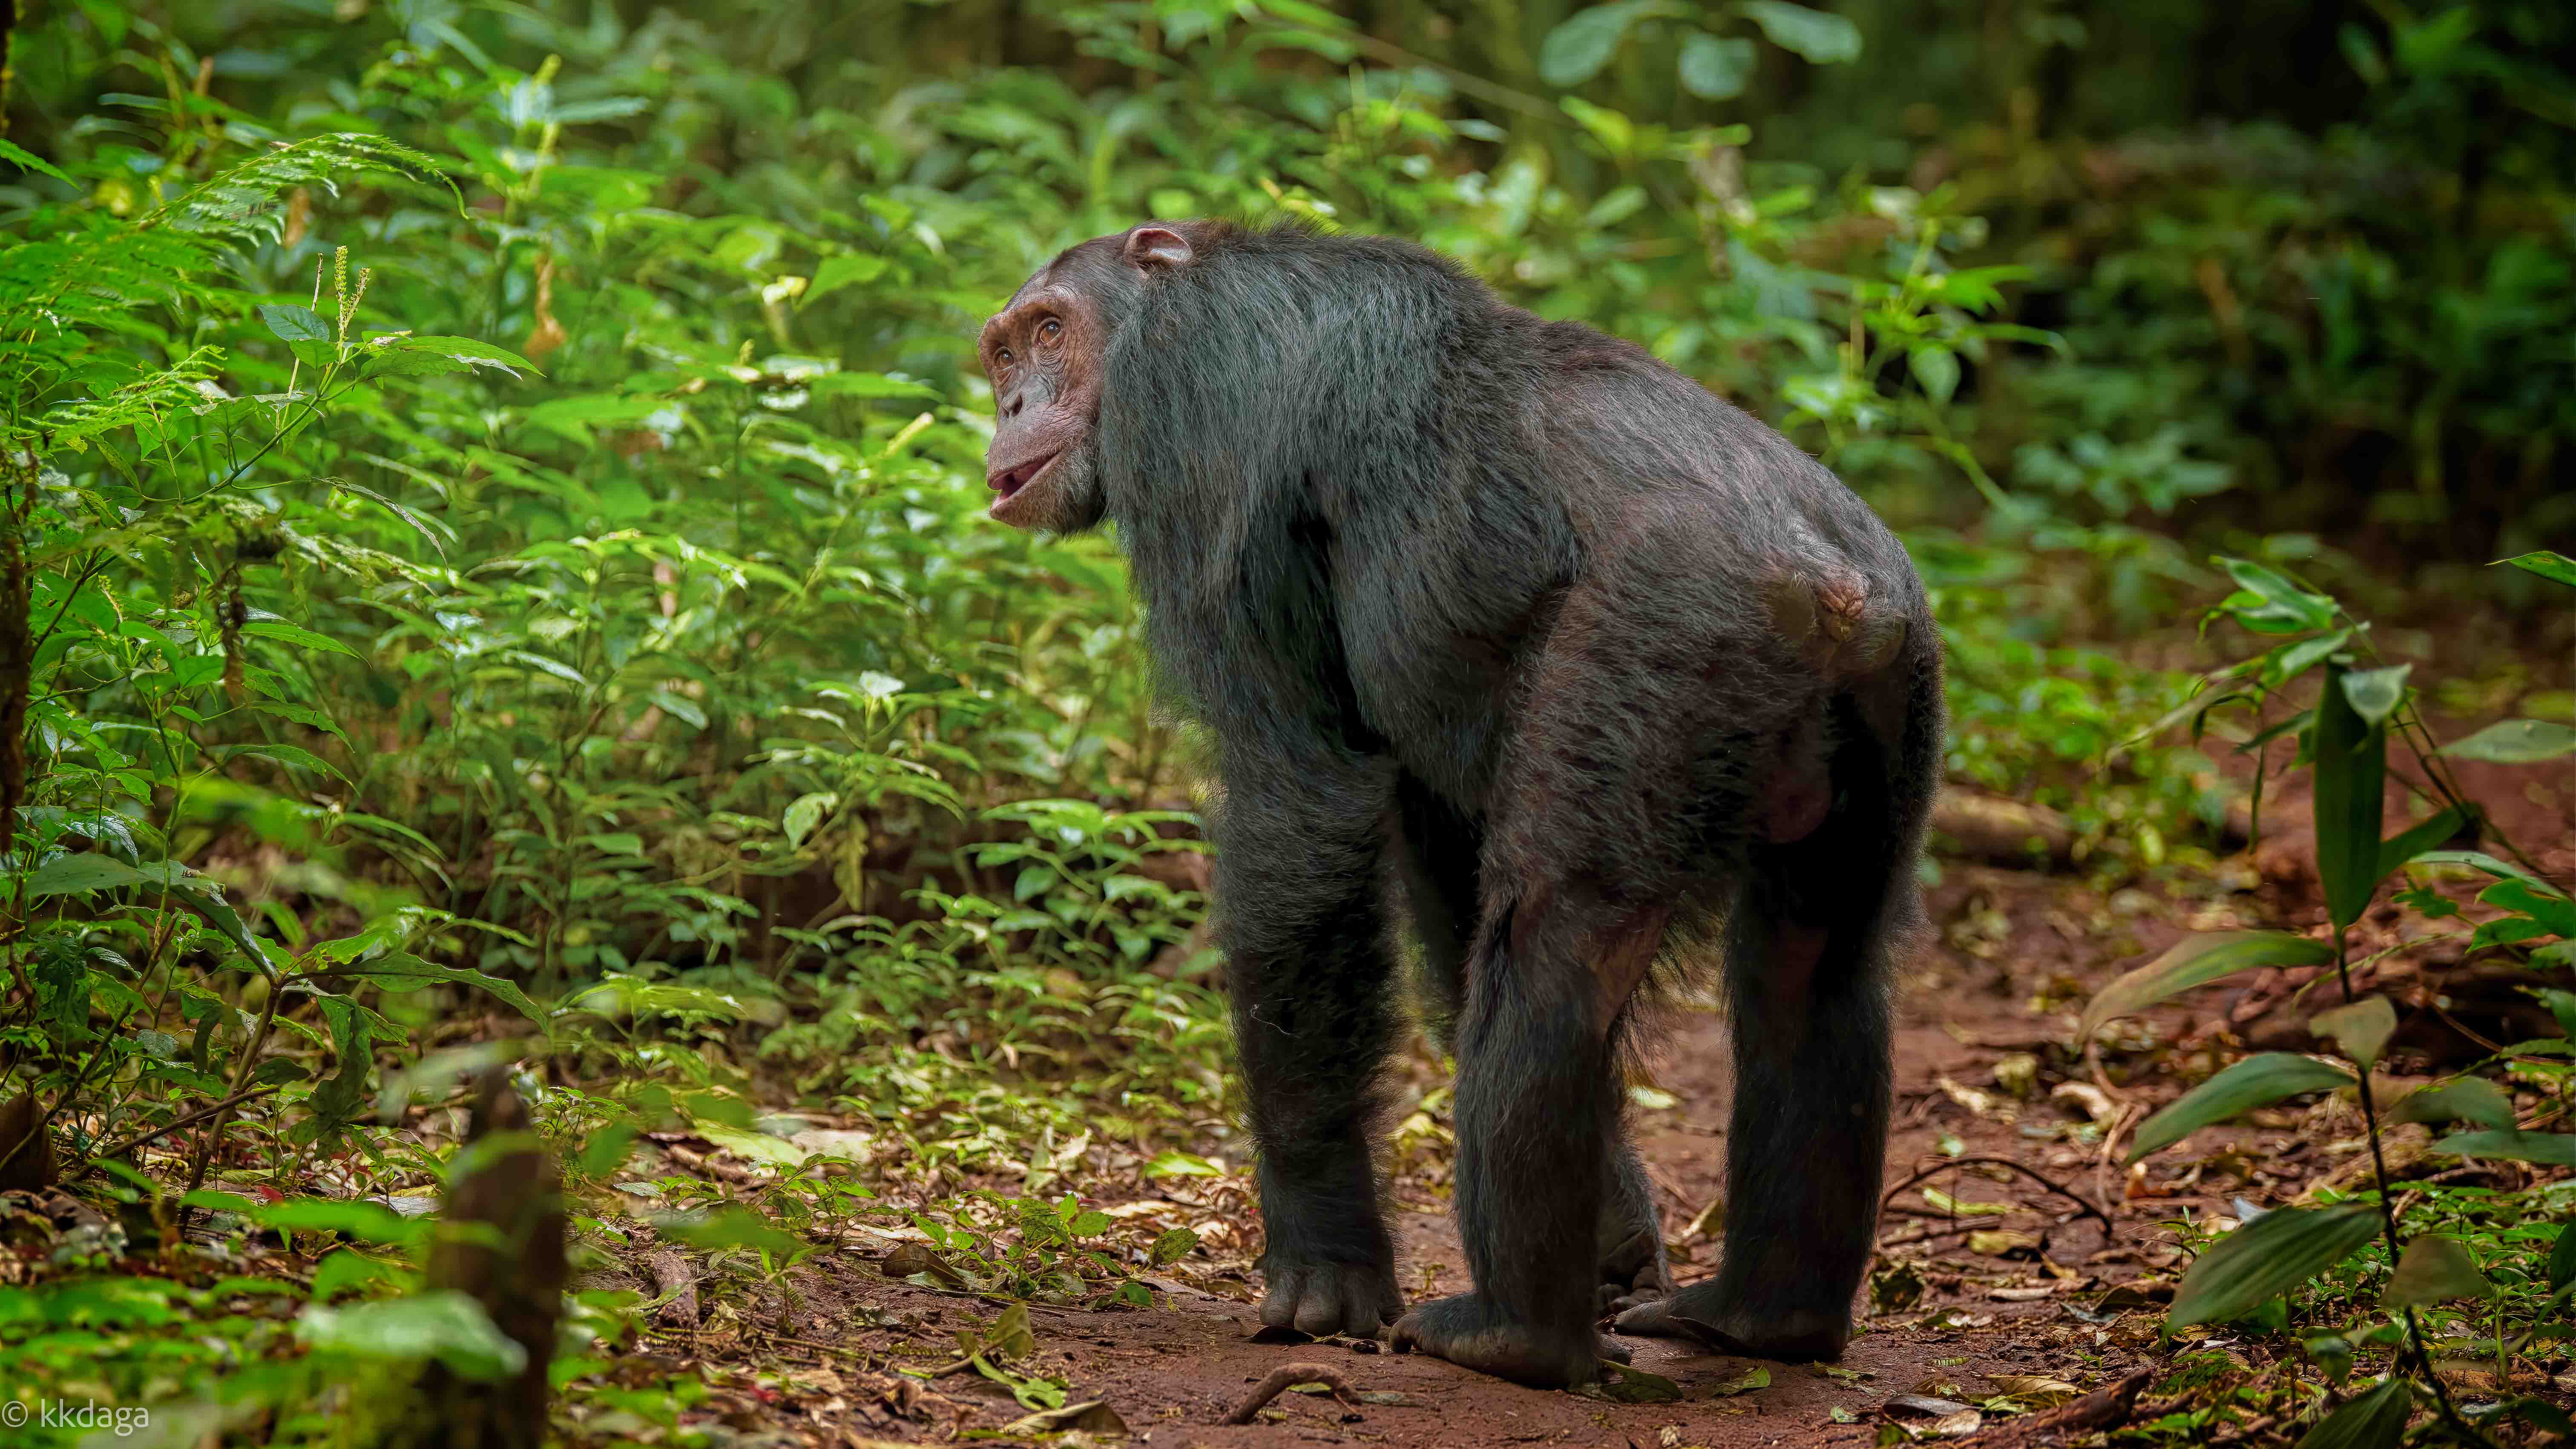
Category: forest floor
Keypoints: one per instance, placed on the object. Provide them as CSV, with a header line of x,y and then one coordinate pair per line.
x,y
1993,1290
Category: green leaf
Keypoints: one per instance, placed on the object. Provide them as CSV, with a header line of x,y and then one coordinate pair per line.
x,y
2548,1149
2516,742
2562,1256
410,973
2268,1257
292,323
2271,604
1172,1245
1715,68
301,638
2413,841
755,1146
2376,1420
841,271
81,874
349,1217
1577,49
461,350
2351,762
2376,693
2257,1081
2461,1099
17,155
1937,369
2361,1029
2543,903
450,1327
2556,567
2435,1269
2197,961
803,814
1821,38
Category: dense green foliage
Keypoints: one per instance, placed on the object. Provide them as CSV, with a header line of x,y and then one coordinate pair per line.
x,y
494,535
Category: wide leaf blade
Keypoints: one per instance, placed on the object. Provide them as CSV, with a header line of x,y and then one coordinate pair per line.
x,y
2376,1420
2461,1099
2435,1269
2268,1257
2361,1029
2548,1149
2257,1081
2351,755
2197,961
2516,742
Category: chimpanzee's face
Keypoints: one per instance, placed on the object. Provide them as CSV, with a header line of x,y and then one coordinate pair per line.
x,y
1044,354
1047,355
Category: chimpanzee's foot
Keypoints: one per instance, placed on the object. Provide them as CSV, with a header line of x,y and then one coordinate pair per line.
x,y
1472,1333
1697,1312
1359,1299
1633,1272
1633,1267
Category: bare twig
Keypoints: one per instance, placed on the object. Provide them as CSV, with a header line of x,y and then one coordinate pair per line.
x,y
208,1110
1279,1380
2110,1230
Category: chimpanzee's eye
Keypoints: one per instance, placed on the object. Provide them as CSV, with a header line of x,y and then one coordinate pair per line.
x,y
1002,355
1049,330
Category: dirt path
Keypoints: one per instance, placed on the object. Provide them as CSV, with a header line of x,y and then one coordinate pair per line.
x,y
1999,1303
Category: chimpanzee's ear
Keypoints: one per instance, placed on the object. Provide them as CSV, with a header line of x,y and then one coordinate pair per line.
x,y
1149,247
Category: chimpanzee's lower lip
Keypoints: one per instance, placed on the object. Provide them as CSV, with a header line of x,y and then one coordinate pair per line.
x,y
1018,478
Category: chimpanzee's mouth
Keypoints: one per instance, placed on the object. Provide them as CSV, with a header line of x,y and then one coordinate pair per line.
x,y
1009,483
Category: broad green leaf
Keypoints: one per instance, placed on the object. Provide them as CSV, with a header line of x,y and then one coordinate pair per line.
x,y
1172,1245
81,874
449,1327
2547,1149
2271,604
841,271
2376,1420
2268,1257
1577,49
755,1146
2257,1081
2435,1269
292,323
865,384
2351,762
2461,1099
2516,742
2477,859
726,1225
302,638
349,1217
2546,904
2422,836
1715,68
401,972
2197,961
1820,38
804,813
2562,1256
1937,369
2557,567
2376,693
2360,1029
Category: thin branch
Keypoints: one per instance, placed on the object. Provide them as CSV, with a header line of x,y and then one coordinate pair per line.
x,y
2110,1230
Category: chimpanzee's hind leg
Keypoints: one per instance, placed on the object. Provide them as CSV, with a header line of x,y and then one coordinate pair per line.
x,y
1438,853
1808,964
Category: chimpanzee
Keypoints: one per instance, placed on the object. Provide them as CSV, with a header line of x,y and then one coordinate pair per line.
x,y
1511,619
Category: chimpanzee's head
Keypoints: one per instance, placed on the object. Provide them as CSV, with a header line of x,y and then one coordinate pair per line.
x,y
1047,354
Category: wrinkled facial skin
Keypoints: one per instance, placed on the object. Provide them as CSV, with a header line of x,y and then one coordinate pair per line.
x,y
1045,355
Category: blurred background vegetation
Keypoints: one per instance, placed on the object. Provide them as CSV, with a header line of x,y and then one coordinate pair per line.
x,y
620,654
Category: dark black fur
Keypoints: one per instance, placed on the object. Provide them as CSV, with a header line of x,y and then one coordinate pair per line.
x,y
1488,604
